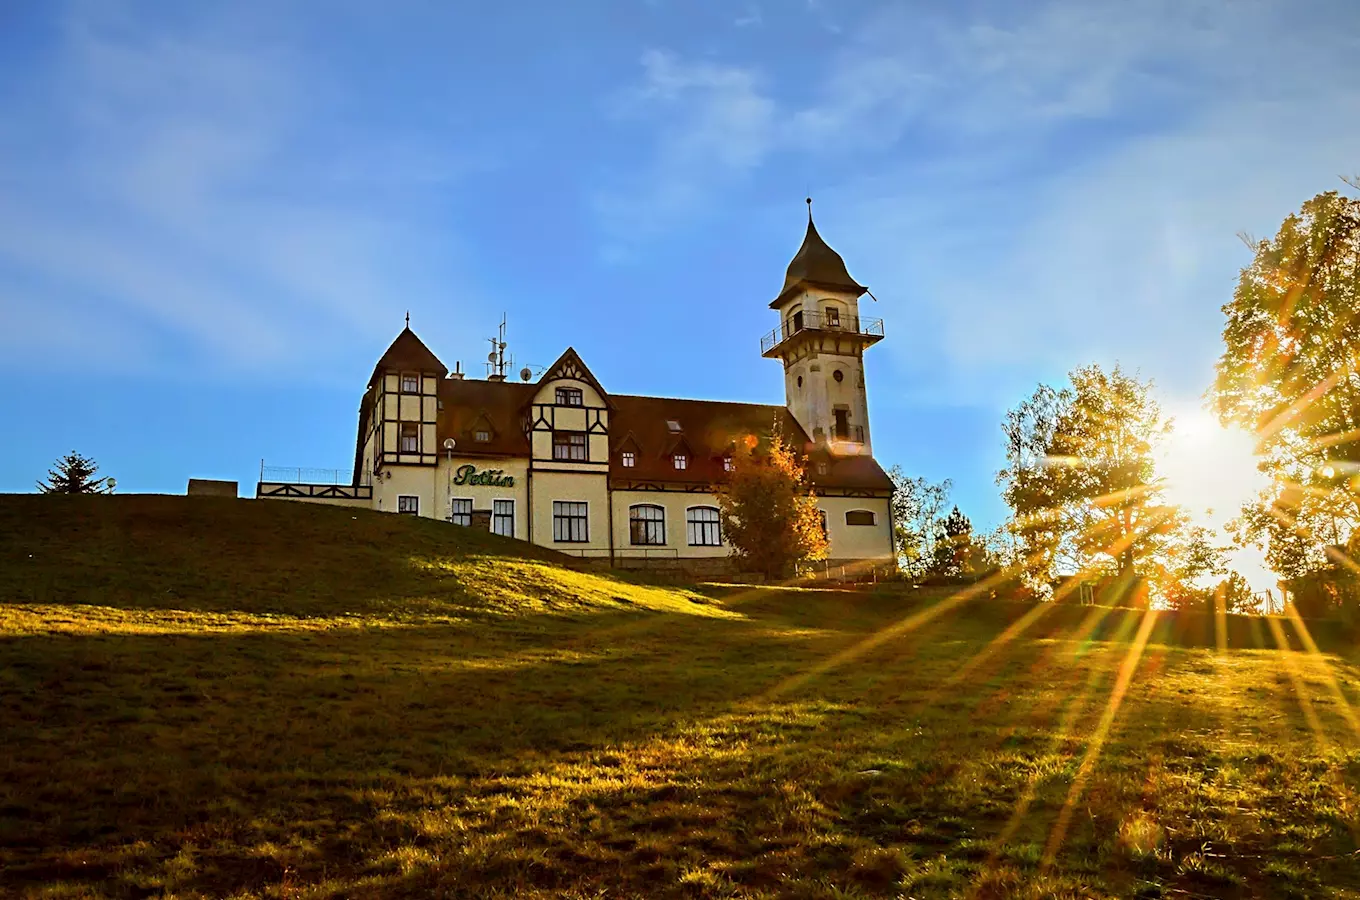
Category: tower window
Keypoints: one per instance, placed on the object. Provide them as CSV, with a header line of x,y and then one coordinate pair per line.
x,y
838,375
833,317
647,525
569,397
628,458
410,437
859,517
570,446
842,423
410,384
680,461
800,380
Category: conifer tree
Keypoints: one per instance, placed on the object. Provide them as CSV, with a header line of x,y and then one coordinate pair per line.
x,y
75,474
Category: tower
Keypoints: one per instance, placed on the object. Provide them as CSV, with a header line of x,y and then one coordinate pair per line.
x,y
821,339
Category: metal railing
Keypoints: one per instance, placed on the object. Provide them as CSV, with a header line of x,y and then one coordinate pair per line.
x,y
817,321
303,475
853,434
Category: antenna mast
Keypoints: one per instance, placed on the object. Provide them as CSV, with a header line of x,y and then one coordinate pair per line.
x,y
496,361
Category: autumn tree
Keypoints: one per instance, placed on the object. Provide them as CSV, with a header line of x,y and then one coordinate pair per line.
x,y
1080,475
918,507
1290,374
769,514
75,474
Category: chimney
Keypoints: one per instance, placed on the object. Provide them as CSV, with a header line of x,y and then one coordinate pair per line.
x,y
457,373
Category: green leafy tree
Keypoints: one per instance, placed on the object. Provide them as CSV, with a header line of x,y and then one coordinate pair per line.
x,y
75,474
1081,478
1190,556
769,514
1290,374
918,510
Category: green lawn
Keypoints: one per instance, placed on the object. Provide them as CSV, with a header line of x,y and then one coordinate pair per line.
x,y
238,698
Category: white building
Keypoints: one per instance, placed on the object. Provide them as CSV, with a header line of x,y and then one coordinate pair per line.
x,y
565,463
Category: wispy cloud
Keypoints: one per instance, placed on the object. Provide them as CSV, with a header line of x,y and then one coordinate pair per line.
x,y
1045,184
188,200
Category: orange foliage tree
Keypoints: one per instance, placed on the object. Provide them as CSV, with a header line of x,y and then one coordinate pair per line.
x,y
769,514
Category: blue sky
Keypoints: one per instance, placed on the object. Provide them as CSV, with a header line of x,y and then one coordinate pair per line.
x,y
213,217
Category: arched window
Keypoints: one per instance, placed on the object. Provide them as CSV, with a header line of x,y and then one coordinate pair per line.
x,y
646,525
702,527
859,517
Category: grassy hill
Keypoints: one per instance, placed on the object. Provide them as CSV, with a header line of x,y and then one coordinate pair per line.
x,y
236,698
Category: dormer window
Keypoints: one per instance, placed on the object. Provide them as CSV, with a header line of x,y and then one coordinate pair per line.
x,y
728,465
410,384
628,458
673,425
567,396
481,435
680,461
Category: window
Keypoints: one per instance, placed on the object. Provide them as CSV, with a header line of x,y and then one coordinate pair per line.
x,y
569,397
410,384
838,375
859,517
826,532
728,465
569,522
646,525
481,435
503,517
460,511
842,424
628,458
408,504
570,445
821,468
673,425
701,527
680,461
410,437
833,317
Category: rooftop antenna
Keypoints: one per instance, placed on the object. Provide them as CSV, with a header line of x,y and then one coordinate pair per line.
x,y
496,361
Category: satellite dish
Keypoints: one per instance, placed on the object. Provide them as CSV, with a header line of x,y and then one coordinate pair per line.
x,y
526,373
449,443
491,357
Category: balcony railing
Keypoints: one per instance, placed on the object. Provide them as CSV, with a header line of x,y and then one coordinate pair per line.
x,y
817,321
853,434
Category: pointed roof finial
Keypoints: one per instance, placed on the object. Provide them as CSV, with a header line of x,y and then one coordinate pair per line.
x,y
809,203
408,318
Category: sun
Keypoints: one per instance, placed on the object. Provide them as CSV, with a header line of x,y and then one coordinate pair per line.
x,y
1211,471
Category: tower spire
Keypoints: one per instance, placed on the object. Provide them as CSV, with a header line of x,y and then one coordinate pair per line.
x,y
809,203
408,318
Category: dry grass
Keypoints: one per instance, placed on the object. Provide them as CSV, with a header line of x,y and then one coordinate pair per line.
x,y
247,699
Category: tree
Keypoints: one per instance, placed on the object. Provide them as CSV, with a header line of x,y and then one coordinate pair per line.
x,y
956,553
1290,374
918,509
769,513
74,474
1190,556
1080,475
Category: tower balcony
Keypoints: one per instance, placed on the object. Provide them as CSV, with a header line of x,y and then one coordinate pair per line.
x,y
860,331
